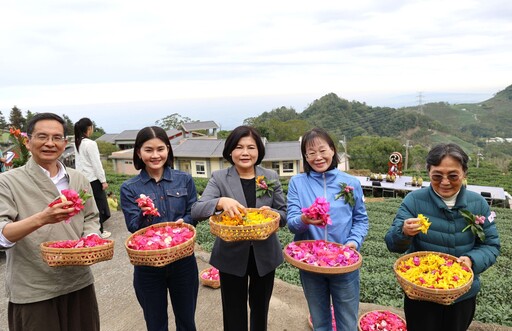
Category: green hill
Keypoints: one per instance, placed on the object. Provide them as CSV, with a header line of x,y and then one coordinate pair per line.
x,y
466,124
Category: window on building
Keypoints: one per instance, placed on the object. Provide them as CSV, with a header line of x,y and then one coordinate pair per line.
x,y
275,166
200,168
287,166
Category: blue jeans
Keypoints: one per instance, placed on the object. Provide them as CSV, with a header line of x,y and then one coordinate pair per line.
x,y
181,279
342,290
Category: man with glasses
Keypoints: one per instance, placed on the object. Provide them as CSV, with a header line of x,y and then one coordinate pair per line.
x,y
42,297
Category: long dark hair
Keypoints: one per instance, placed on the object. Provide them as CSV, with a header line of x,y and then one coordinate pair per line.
x,y
309,137
146,134
234,137
80,130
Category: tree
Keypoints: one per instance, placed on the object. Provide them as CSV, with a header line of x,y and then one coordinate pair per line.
x,y
173,121
29,116
106,148
98,131
373,152
223,134
16,119
3,123
68,125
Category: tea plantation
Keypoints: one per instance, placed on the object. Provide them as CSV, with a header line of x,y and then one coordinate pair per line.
x,y
378,282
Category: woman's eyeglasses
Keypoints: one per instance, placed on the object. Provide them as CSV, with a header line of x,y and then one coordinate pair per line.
x,y
450,177
313,155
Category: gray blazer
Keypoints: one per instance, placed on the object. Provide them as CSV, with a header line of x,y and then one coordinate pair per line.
x,y
232,257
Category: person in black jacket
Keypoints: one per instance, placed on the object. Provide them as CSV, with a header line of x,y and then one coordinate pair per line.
x,y
246,267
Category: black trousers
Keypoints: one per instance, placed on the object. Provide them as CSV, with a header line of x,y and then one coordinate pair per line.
x,y
234,291
430,316
101,202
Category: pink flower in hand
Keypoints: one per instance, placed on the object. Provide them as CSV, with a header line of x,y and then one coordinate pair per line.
x,y
78,200
145,201
319,210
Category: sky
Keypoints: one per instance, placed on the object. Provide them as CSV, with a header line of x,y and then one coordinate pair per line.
x,y
126,64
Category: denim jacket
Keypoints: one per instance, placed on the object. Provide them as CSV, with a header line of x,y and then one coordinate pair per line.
x,y
173,196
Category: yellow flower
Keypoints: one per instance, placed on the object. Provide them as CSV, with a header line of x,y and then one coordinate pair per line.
x,y
434,271
424,223
251,218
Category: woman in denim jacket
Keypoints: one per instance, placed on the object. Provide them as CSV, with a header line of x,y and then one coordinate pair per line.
x,y
173,193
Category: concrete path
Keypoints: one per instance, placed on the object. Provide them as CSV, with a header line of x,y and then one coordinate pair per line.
x,y
120,311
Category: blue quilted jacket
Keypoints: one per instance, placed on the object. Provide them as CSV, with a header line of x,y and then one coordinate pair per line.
x,y
445,233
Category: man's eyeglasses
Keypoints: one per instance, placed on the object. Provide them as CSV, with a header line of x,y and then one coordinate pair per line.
x,y
41,137
450,177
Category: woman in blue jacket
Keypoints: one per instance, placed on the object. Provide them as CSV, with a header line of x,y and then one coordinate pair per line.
x,y
442,203
173,192
321,178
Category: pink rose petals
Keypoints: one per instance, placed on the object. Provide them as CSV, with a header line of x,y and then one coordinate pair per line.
x,y
381,320
145,201
160,238
319,210
321,253
78,200
91,240
211,274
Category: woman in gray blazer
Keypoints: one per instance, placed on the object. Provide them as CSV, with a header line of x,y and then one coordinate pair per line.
x,y
247,268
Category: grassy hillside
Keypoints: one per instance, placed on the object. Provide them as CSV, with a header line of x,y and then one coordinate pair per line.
x,y
489,118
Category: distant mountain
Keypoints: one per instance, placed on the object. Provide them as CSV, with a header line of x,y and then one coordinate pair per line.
x,y
467,124
489,118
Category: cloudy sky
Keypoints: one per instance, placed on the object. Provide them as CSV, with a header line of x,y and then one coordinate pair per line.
x,y
126,64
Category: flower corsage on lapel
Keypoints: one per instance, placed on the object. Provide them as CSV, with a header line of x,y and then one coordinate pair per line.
x,y
347,193
264,187
475,223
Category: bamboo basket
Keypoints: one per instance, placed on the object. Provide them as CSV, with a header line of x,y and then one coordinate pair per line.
x,y
245,232
208,282
416,292
160,257
365,314
63,257
323,270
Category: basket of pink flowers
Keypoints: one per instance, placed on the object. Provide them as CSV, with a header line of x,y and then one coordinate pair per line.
x,y
381,320
322,256
210,277
160,244
85,251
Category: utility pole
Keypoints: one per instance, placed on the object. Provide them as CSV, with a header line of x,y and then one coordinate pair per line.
x,y
420,102
478,156
344,144
407,153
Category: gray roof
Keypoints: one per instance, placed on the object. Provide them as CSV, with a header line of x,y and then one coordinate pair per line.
x,y
108,137
172,132
206,125
275,151
199,148
127,135
130,135
283,150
